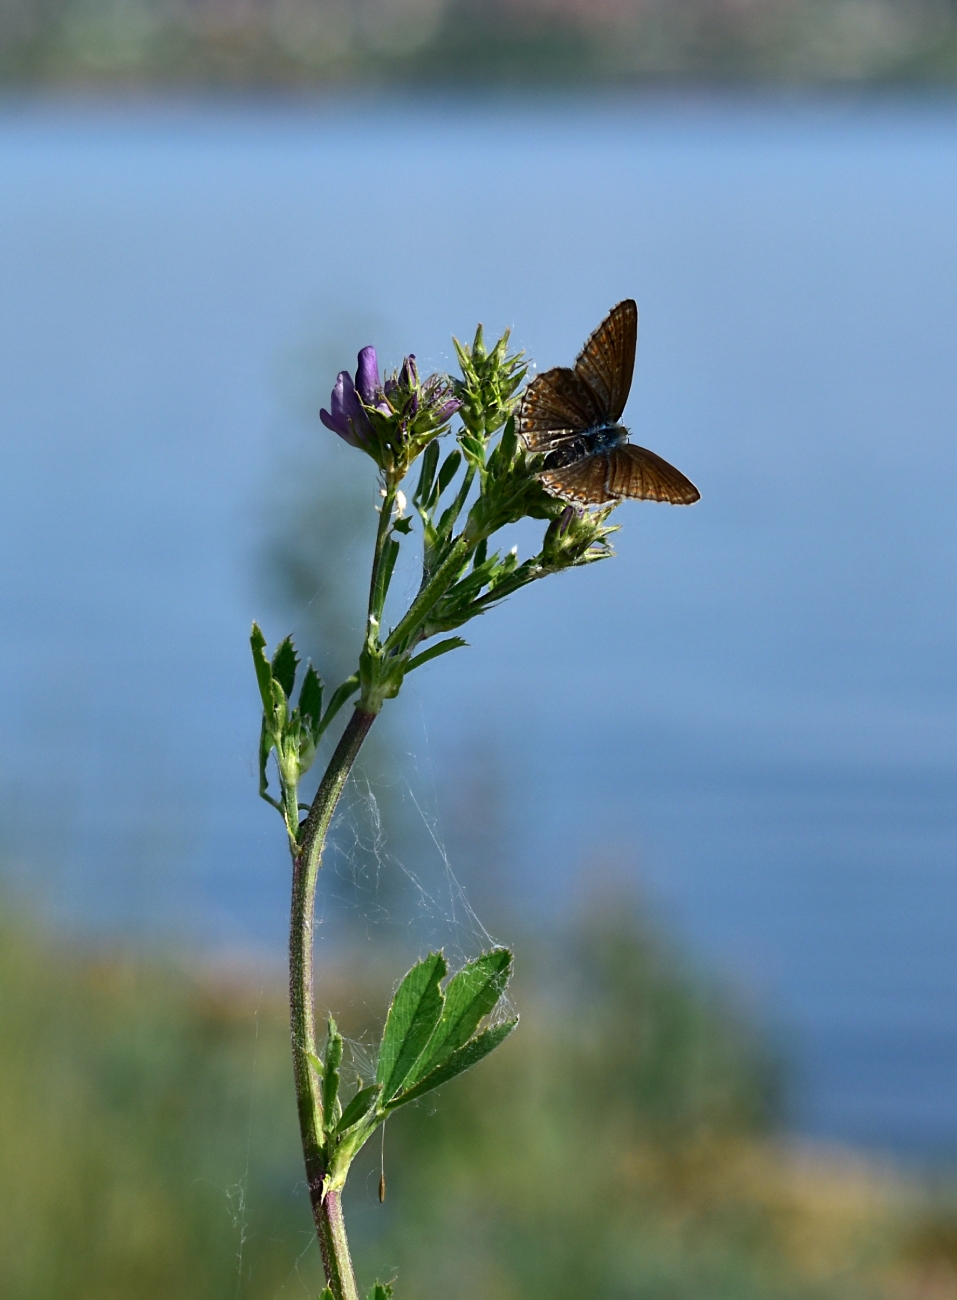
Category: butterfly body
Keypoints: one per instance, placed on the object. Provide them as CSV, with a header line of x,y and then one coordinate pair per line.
x,y
590,442
573,417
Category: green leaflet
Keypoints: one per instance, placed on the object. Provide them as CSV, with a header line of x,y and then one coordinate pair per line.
x,y
310,700
358,1107
412,1018
381,1291
263,669
470,995
430,460
348,687
330,1077
284,664
457,1063
449,470
443,647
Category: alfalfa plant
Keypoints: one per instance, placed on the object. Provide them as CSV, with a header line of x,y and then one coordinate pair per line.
x,y
557,453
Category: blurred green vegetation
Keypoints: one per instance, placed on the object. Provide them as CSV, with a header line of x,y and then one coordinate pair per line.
x,y
621,1144
250,42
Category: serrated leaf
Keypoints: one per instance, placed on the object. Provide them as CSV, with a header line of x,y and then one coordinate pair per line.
x,y
266,742
358,1107
284,664
470,995
403,524
381,1291
310,699
411,1021
443,647
460,1061
330,1076
263,669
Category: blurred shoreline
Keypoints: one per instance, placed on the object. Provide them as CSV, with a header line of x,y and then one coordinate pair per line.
x,y
237,43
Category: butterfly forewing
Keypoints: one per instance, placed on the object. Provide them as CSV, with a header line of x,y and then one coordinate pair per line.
x,y
607,361
638,473
556,406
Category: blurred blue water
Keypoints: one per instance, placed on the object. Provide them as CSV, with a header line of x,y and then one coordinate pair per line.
x,y
752,709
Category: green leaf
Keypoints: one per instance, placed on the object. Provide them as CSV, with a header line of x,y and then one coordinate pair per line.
x,y
284,665
443,647
449,469
266,741
342,693
381,1291
429,461
390,554
412,1018
359,1106
402,524
469,997
263,670
457,1063
316,1063
326,1294
330,1076
310,699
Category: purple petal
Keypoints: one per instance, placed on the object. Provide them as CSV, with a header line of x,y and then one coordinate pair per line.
x,y
447,410
342,428
367,376
348,419
565,520
409,375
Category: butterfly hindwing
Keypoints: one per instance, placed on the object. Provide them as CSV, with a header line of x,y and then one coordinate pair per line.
x,y
585,482
638,473
607,361
556,406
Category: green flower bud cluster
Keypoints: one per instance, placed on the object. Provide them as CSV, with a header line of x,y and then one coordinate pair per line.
x,y
486,390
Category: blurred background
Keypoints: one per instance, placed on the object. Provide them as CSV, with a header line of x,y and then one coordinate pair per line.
x,y
707,790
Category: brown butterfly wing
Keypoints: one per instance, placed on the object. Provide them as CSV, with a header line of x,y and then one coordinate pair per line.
x,y
555,407
607,361
585,482
640,474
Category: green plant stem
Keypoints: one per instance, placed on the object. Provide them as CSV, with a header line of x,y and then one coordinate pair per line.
x,y
376,600
326,1209
433,592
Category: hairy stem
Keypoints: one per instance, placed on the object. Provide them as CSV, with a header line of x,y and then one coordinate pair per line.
x,y
306,861
336,1259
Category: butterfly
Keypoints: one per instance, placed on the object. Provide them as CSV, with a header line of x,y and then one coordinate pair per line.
x,y
574,417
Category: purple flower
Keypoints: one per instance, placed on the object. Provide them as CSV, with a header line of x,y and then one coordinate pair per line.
x,y
565,519
447,410
348,417
367,377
